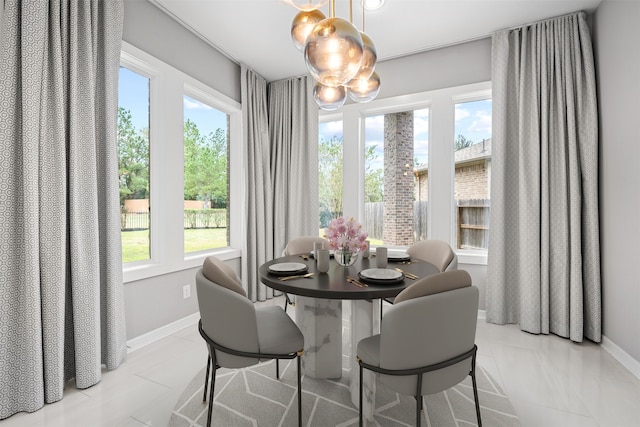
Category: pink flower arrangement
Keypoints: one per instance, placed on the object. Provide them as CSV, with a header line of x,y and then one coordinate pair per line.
x,y
344,234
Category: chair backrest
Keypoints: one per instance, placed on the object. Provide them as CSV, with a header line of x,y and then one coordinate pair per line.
x,y
228,316
429,329
303,245
437,252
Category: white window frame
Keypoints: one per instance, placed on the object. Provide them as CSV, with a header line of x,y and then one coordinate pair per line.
x,y
441,103
166,175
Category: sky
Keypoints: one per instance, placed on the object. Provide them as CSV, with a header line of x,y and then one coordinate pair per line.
x,y
472,119
133,94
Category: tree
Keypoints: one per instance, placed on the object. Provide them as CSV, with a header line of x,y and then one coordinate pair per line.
x,y
133,158
205,165
462,142
330,168
330,177
373,178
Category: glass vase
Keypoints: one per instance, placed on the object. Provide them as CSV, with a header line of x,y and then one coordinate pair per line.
x,y
345,257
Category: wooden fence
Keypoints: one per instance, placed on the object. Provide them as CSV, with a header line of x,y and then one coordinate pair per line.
x,y
472,222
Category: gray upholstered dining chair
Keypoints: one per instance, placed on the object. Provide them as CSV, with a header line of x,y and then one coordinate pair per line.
x,y
301,245
237,333
426,342
436,252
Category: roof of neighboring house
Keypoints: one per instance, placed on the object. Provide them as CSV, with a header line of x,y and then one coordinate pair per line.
x,y
478,151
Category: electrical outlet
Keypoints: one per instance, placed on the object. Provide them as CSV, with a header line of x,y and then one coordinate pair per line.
x,y
186,291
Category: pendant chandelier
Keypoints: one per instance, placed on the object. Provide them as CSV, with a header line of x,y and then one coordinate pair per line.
x,y
340,58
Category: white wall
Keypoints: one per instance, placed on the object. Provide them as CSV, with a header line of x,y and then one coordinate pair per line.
x,y
151,30
616,35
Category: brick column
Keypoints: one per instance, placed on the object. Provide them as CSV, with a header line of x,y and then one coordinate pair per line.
x,y
398,178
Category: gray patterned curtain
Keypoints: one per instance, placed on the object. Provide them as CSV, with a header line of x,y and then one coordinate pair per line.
x,y
544,258
259,200
61,296
293,127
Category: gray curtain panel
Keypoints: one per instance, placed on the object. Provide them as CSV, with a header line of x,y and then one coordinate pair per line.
x,y
544,259
61,296
259,200
293,128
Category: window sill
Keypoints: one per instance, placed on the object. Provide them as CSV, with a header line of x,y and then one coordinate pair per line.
x,y
472,257
144,270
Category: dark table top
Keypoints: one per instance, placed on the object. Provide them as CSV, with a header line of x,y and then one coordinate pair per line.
x,y
333,284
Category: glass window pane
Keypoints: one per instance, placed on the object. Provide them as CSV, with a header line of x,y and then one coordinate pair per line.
x,y
396,158
472,173
330,147
133,166
374,178
206,177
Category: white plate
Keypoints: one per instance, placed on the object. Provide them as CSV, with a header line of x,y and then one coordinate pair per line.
x,y
398,255
381,274
287,267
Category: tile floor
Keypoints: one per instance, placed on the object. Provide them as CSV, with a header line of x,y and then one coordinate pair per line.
x,y
551,382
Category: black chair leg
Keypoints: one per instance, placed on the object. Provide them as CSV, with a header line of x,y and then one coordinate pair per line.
x,y
475,389
287,302
211,395
419,401
299,394
206,378
278,369
360,400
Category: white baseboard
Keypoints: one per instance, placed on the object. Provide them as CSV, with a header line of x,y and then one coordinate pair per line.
x,y
143,340
482,315
621,356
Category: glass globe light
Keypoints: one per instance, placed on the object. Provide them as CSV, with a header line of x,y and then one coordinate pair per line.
x,y
364,90
302,25
369,58
333,51
329,98
307,5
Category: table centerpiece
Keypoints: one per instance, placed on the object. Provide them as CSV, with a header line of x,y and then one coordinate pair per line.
x,y
347,238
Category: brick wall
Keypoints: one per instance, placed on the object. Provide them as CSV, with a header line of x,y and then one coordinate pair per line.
x,y
398,178
471,182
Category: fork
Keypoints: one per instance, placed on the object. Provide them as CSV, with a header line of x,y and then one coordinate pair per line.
x,y
356,282
409,275
299,276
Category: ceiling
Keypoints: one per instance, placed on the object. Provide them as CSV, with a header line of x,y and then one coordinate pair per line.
x,y
257,32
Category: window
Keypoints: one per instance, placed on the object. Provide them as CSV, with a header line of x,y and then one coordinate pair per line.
x,y
330,167
133,165
395,171
400,150
185,138
206,177
472,157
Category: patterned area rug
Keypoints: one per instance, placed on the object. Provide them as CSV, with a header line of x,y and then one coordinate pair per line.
x,y
253,397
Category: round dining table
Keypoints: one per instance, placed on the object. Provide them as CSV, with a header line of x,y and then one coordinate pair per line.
x,y
318,306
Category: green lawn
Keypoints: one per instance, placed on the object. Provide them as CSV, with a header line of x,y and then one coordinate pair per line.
x,y
135,244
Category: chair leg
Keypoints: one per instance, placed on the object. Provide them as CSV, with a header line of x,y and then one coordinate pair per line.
x,y
475,389
299,393
211,395
360,400
278,369
287,301
206,378
419,401
381,303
